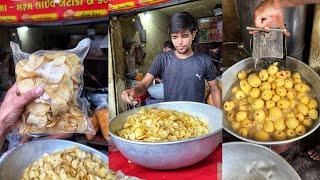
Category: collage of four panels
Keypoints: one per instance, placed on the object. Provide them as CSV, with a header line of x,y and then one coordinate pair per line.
x,y
159,89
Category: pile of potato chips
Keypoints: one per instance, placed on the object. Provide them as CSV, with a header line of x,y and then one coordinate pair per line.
x,y
56,111
162,125
72,163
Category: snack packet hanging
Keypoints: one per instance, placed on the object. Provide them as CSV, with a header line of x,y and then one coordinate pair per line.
x,y
60,109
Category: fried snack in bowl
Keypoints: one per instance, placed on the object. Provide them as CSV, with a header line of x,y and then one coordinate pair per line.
x,y
59,73
162,125
286,107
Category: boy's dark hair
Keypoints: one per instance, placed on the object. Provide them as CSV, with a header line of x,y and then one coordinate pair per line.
x,y
167,44
182,21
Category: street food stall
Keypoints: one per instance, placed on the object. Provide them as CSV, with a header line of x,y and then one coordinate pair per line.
x,y
54,27
281,120
138,31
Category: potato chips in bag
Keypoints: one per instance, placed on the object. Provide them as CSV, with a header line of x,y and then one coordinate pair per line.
x,y
60,109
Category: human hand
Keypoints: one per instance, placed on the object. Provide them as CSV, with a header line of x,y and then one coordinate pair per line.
x,y
128,96
13,106
269,14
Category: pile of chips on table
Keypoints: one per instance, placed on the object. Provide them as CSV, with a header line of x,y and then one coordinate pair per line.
x,y
56,111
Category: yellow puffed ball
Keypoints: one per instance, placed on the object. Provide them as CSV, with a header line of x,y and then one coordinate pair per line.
x,y
275,113
240,94
296,75
271,78
288,83
281,74
273,69
279,82
279,135
281,91
300,117
290,133
255,92
283,103
228,105
275,98
313,114
312,104
244,86
241,115
242,75
279,125
300,130
266,95
235,125
305,100
268,126
307,122
259,115
262,136
263,74
243,132
302,108
254,80
292,123
265,86
231,116
247,123
291,94
258,104
270,104
243,105
235,89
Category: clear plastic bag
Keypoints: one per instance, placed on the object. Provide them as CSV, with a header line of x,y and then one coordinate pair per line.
x,y
61,109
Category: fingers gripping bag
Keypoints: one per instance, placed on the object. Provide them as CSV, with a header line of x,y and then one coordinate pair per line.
x,y
61,108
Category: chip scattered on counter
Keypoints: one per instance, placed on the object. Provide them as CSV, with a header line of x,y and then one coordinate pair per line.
x,y
162,125
60,74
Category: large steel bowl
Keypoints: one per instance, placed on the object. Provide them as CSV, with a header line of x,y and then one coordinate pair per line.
x,y
176,154
13,164
229,79
247,161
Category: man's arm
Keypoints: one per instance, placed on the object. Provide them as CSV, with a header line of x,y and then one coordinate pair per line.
x,y
140,89
270,13
292,3
215,92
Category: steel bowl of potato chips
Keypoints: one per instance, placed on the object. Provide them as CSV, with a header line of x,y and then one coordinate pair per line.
x,y
273,106
41,159
167,135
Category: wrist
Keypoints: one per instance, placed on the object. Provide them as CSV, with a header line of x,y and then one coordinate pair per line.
x,y
277,4
3,126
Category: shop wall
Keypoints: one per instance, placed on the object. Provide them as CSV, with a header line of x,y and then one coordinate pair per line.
x,y
4,40
157,33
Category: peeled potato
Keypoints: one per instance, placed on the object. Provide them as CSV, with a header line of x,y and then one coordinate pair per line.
x,y
302,108
259,115
242,75
275,113
258,104
300,130
281,91
288,83
290,133
313,114
279,82
241,115
243,132
291,94
228,105
312,104
296,75
268,126
273,69
279,135
265,86
292,123
266,95
240,94
235,125
279,125
307,122
262,136
271,78
283,103
263,74
255,92
270,104
254,80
